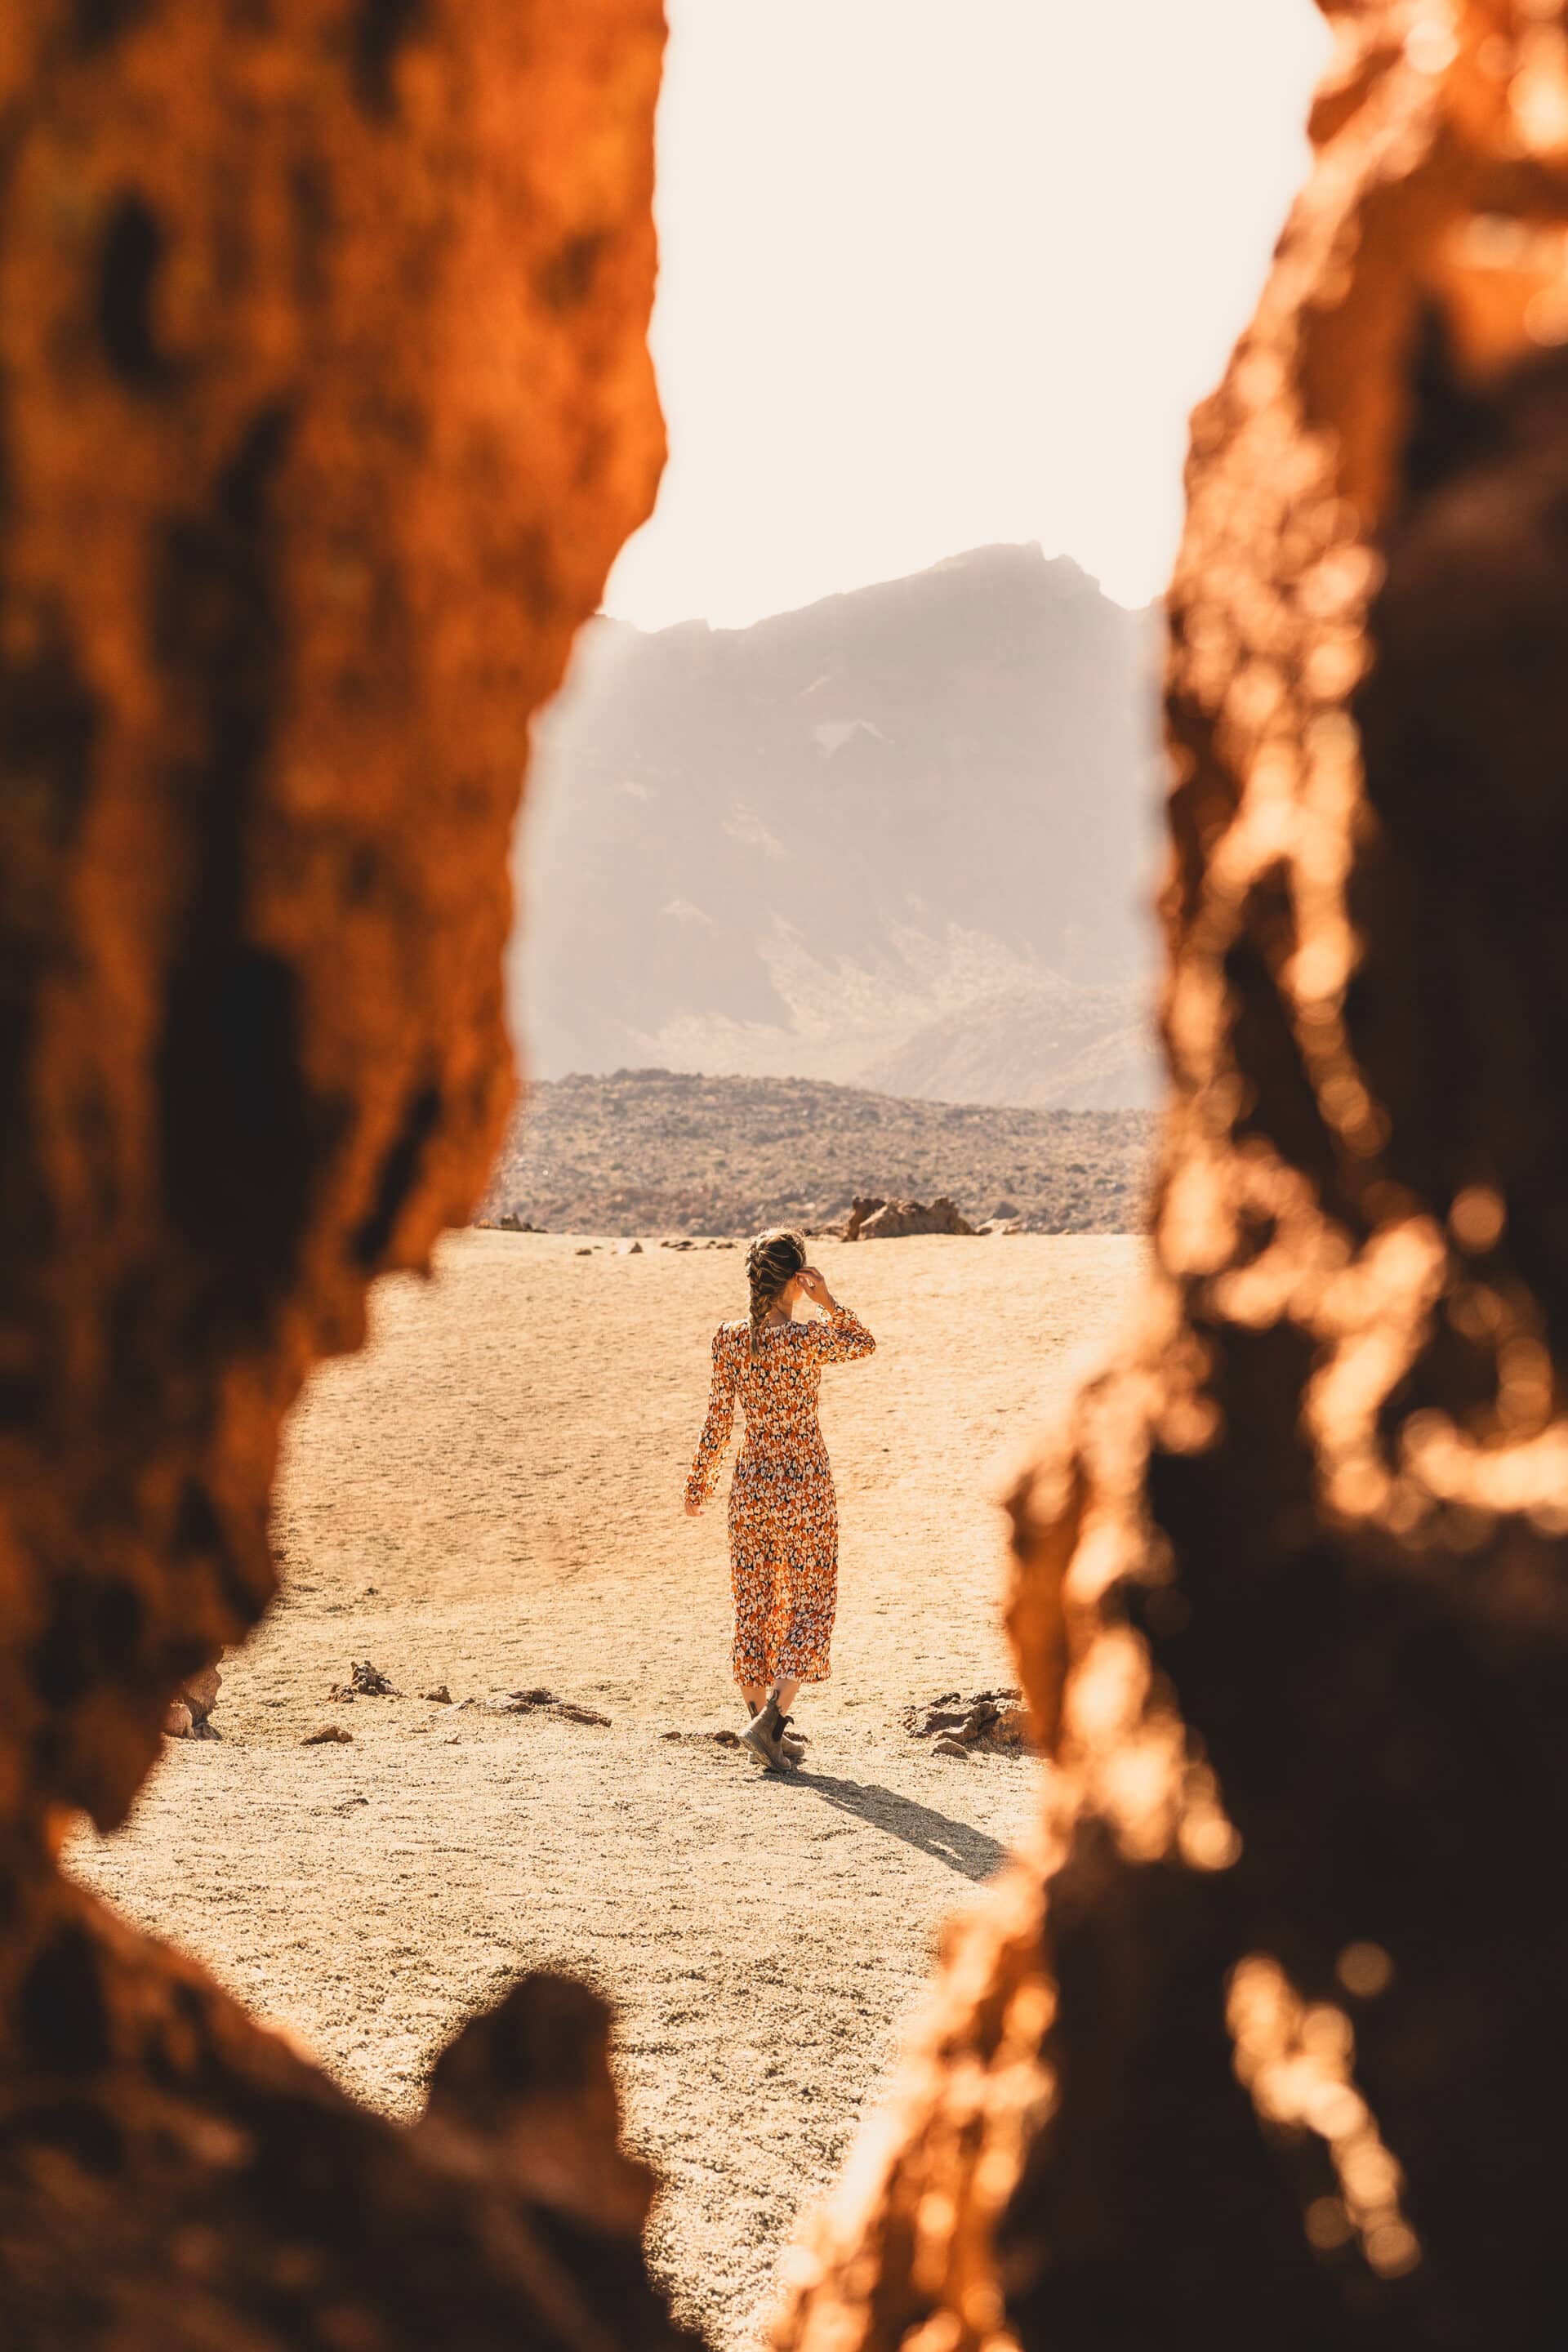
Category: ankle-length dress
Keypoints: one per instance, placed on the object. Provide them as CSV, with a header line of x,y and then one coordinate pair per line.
x,y
783,1513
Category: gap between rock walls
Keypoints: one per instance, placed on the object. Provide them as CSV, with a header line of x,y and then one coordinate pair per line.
x,y
1255,2039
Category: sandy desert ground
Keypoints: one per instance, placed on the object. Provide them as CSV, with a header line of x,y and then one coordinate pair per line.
x,y
489,1497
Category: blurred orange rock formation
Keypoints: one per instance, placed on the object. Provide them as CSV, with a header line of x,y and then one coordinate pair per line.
x,y
324,407
1264,2043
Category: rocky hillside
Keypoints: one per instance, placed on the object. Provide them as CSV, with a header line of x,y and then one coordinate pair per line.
x,y
902,838
654,1152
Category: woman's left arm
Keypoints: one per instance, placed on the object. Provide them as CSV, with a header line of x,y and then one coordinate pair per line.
x,y
716,1429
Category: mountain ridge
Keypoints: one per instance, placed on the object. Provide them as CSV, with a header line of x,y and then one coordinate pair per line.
x,y
897,837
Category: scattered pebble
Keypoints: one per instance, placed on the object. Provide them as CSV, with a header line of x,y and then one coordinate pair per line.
x,y
439,1696
329,1734
948,1746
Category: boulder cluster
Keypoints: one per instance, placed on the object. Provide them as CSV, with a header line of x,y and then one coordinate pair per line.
x,y
872,1219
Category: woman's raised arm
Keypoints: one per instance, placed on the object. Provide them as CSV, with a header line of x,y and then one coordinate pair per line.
x,y
843,1339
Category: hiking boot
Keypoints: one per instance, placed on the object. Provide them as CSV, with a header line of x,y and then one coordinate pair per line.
x,y
764,1736
794,1743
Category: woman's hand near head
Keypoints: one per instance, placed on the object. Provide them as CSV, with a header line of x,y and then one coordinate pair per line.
x,y
815,1289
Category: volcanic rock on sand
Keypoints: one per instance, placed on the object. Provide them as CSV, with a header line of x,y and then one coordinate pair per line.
x,y
874,1220
189,1712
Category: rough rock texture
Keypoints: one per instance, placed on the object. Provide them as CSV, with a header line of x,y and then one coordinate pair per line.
x,y
660,1152
1265,2045
989,1719
872,1219
324,406
190,1710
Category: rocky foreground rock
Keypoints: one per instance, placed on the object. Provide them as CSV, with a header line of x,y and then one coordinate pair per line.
x,y
991,1720
325,405
190,1711
658,1152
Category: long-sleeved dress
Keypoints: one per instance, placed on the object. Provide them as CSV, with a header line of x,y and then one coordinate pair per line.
x,y
783,1514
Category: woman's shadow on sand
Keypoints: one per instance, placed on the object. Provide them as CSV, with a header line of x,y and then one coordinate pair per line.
x,y
968,1850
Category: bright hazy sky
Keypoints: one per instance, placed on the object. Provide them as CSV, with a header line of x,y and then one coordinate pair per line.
x,y
941,272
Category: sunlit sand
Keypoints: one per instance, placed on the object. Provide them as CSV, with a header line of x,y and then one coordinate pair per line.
x,y
490,1498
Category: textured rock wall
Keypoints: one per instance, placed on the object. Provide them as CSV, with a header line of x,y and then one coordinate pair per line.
x,y
324,406
1264,2042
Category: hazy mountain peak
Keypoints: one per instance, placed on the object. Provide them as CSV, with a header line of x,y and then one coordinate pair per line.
x,y
901,836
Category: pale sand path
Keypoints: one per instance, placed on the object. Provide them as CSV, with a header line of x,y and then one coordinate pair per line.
x,y
490,1497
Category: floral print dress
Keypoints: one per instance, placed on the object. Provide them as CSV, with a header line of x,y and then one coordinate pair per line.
x,y
783,1514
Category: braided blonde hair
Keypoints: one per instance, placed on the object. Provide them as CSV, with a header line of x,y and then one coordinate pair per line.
x,y
773,1259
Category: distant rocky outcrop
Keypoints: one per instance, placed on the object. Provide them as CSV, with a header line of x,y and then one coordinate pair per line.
x,y
660,1152
872,1219
902,838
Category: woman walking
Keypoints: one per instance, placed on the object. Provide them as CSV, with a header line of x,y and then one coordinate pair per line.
x,y
783,1514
